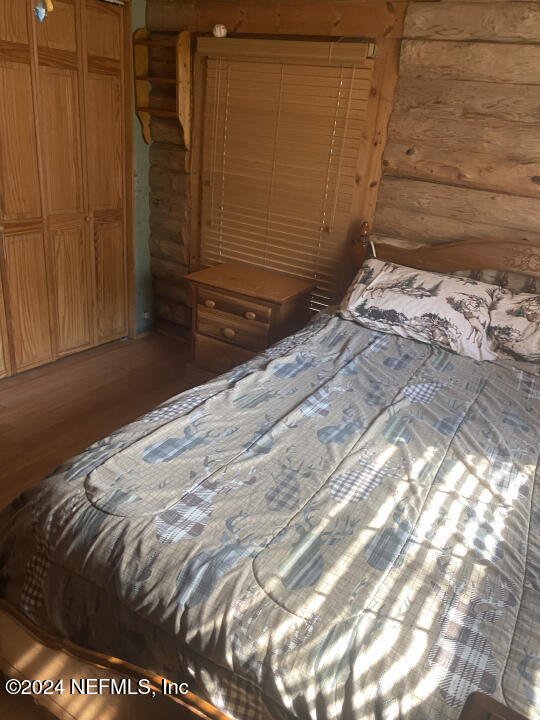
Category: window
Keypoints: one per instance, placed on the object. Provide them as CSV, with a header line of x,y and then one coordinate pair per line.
x,y
281,130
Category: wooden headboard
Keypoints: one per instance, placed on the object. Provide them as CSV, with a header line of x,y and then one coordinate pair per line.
x,y
521,256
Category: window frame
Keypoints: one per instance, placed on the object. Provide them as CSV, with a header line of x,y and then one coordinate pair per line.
x,y
370,151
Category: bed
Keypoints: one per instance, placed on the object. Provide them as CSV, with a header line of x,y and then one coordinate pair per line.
x,y
347,526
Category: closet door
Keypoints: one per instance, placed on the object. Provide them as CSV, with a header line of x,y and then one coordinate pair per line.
x,y
105,144
24,314
69,222
26,286
4,360
73,269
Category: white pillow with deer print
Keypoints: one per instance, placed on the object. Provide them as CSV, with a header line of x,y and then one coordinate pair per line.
x,y
514,329
447,311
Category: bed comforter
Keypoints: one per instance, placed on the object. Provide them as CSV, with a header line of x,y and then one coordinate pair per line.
x,y
347,526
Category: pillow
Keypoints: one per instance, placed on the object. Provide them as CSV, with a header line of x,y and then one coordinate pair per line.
x,y
507,279
515,325
450,312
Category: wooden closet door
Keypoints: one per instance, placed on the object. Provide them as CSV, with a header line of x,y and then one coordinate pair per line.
x,y
26,287
60,59
24,309
105,145
73,268
4,359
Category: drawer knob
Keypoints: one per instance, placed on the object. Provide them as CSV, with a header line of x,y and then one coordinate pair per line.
x,y
210,303
229,333
249,315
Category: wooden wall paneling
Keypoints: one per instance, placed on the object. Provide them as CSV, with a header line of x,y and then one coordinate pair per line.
x,y
482,61
463,154
427,212
169,249
170,156
177,313
499,172
27,290
494,154
176,291
501,21
73,263
168,270
369,19
166,15
452,99
471,134
110,254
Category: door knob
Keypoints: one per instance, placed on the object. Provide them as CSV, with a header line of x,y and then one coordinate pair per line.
x,y
87,218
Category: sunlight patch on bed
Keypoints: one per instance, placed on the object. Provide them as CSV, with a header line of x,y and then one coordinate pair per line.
x,y
409,659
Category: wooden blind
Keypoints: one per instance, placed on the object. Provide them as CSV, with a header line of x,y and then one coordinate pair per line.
x,y
280,141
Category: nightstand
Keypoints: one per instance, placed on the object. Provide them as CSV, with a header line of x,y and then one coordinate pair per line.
x,y
480,706
239,310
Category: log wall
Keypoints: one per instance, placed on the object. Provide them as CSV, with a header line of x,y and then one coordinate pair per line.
x,y
463,155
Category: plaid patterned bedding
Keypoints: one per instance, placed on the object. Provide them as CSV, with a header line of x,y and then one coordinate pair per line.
x,y
347,526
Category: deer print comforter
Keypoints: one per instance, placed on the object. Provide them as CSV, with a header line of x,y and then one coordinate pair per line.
x,y
347,526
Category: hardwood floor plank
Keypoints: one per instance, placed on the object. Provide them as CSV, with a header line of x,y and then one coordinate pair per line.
x,y
56,411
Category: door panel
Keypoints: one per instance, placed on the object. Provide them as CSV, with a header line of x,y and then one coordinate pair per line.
x,y
104,30
73,270
13,21
19,179
59,33
4,367
60,136
104,141
26,281
110,279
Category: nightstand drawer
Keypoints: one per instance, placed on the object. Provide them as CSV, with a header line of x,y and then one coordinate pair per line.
x,y
233,304
233,329
240,309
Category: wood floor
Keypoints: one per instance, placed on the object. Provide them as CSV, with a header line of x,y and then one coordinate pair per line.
x,y
20,707
53,412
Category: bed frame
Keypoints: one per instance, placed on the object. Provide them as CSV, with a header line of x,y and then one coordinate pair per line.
x,y
28,652
522,256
